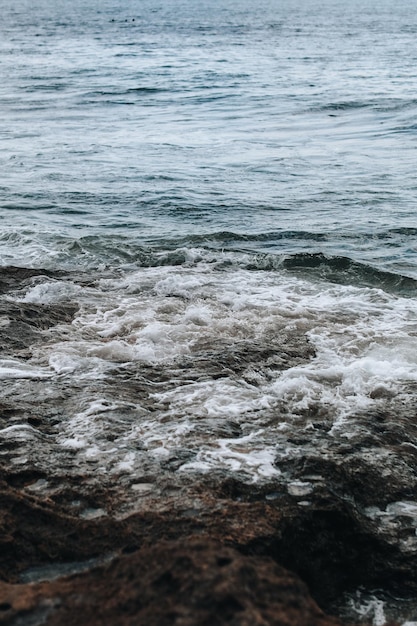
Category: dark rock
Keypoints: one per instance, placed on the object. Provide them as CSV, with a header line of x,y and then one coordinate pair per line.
x,y
189,582
23,323
12,278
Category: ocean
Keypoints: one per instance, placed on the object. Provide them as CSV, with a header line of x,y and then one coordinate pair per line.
x,y
208,252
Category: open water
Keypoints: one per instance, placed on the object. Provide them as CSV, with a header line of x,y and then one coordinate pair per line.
x,y
212,179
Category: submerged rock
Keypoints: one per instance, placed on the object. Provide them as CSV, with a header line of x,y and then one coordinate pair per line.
x,y
15,278
21,324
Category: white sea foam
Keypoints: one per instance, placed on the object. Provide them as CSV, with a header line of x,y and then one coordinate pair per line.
x,y
52,292
221,398
10,368
377,608
19,431
393,510
365,342
236,455
372,608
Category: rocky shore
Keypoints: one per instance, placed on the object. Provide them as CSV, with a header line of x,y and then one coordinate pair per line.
x,y
215,560
87,541
211,566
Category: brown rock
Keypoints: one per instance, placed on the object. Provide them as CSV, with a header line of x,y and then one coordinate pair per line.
x,y
186,582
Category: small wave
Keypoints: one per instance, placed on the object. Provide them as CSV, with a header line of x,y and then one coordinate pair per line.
x,y
145,90
410,232
346,105
31,205
230,236
48,87
341,270
385,105
343,106
305,252
227,237
337,269
125,92
405,128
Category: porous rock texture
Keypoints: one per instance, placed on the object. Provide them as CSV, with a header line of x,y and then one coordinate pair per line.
x,y
185,568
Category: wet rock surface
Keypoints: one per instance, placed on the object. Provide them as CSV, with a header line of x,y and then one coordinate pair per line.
x,y
210,564
21,324
188,582
119,507
204,558
15,278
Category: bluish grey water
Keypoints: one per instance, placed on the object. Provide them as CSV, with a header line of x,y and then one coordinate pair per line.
x,y
279,127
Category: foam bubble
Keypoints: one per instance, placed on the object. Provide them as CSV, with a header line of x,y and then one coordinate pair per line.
x,y
300,488
19,431
51,292
394,509
378,608
10,368
239,454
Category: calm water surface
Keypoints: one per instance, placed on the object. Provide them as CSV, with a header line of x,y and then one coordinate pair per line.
x,y
284,127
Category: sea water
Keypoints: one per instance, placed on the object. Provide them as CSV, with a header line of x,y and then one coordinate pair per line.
x,y
215,182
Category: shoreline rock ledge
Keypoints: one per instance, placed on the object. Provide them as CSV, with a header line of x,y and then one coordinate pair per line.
x,y
213,560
